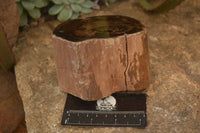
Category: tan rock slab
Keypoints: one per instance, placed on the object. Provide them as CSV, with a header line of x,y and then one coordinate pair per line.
x,y
173,96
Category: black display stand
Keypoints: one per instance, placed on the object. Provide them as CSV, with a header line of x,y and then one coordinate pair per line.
x,y
129,111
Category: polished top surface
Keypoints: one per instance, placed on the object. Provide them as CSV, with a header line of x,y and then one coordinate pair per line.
x,y
97,27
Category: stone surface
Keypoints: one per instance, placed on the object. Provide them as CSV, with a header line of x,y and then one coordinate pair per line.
x,y
98,66
11,108
173,102
21,128
10,19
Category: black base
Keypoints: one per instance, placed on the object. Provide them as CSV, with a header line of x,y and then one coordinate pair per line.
x,y
130,111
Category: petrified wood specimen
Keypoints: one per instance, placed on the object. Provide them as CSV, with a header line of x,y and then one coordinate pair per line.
x,y
100,55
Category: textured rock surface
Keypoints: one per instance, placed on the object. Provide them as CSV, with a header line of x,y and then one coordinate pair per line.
x,y
11,108
173,102
9,18
96,67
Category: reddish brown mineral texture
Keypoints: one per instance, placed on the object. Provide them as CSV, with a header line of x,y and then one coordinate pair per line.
x,y
98,56
10,19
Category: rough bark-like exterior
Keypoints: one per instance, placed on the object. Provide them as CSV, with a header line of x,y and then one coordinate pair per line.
x,y
94,68
137,74
91,69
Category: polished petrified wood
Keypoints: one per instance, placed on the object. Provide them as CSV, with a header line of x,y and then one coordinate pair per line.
x,y
100,55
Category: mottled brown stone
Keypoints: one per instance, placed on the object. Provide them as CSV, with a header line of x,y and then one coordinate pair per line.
x,y
11,108
137,74
10,19
111,55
